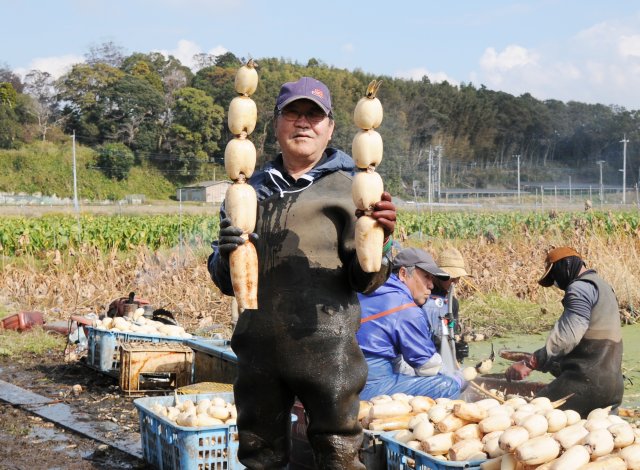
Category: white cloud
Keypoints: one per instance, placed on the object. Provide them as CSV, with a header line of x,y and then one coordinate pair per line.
x,y
184,52
56,66
418,73
186,49
512,57
600,64
218,50
629,46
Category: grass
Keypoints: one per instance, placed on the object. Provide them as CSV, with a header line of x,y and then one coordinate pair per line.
x,y
36,341
46,168
497,314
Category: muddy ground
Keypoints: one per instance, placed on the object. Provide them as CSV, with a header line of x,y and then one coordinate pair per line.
x,y
29,442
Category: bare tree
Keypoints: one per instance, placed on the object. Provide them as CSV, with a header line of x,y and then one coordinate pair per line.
x,y
106,53
202,60
41,87
6,75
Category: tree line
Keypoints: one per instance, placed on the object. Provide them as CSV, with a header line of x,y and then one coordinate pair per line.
x,y
149,109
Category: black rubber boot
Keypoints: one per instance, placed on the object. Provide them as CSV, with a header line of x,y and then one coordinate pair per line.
x,y
337,452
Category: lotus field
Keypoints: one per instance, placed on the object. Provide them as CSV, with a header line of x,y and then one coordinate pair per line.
x,y
26,235
62,264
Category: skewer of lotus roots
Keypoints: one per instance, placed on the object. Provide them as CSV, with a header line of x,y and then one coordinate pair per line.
x,y
241,203
367,186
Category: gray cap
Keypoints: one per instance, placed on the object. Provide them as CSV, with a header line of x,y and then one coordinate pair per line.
x,y
420,259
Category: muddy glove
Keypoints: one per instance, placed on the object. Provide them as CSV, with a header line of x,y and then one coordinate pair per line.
x,y
521,370
229,238
462,350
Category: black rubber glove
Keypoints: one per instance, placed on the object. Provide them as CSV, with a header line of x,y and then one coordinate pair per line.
x,y
230,237
462,351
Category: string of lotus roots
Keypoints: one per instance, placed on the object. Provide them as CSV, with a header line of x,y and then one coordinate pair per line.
x,y
241,202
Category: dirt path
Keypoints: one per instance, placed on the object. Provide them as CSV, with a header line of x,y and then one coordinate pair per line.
x,y
28,442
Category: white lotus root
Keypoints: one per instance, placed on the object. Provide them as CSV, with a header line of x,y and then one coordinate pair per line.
x,y
241,202
246,80
367,187
239,158
368,112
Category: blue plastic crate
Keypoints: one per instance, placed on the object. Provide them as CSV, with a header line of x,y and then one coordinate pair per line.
x,y
103,347
398,456
168,446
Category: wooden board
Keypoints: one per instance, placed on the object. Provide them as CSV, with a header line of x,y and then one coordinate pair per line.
x,y
169,359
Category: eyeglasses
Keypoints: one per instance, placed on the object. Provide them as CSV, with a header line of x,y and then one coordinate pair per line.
x,y
313,116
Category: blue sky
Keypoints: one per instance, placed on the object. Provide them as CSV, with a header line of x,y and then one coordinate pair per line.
x,y
583,50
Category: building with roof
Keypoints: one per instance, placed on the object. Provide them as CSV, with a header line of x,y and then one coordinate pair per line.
x,y
205,191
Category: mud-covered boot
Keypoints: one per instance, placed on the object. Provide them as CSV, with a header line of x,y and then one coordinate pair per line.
x,y
255,453
337,452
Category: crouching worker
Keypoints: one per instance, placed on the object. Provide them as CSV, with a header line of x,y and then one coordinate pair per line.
x,y
584,348
395,337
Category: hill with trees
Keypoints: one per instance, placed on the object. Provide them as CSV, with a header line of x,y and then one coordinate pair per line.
x,y
146,111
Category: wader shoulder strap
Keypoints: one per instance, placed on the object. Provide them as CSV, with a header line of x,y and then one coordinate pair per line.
x,y
388,312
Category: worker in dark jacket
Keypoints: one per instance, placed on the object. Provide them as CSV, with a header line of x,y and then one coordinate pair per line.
x,y
584,349
301,340
442,303
395,337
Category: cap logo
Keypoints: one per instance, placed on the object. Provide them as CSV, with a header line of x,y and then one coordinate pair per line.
x,y
317,92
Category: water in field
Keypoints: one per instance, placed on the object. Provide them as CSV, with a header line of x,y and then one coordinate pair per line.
x,y
529,343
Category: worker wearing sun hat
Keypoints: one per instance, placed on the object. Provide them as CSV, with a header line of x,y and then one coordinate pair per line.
x,y
584,348
441,302
394,335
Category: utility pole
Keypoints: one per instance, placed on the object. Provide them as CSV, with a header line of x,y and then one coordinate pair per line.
x,y
430,179
569,189
600,163
518,157
439,170
624,168
75,179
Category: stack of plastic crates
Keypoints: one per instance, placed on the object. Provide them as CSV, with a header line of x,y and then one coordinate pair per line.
x,y
168,446
103,350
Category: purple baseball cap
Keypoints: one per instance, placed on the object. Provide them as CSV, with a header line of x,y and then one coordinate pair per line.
x,y
306,88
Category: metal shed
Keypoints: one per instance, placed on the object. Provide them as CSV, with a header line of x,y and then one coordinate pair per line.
x,y
205,191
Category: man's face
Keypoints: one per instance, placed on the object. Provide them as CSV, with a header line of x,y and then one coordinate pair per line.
x,y
419,283
303,131
446,285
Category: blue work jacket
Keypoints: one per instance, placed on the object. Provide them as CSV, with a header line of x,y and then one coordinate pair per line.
x,y
392,325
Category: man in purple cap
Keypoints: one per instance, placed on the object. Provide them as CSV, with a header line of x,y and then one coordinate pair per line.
x,y
395,336
301,341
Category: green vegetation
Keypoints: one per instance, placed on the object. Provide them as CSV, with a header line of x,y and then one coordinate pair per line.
x,y
37,341
29,235
22,235
47,168
173,121
497,314
116,159
460,225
